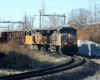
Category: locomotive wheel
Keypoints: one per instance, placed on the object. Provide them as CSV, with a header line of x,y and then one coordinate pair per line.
x,y
49,49
29,49
25,46
41,48
36,47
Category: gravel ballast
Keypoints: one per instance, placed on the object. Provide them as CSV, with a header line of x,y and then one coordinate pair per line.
x,y
84,72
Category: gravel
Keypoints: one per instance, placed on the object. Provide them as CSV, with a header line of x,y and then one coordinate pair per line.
x,y
90,70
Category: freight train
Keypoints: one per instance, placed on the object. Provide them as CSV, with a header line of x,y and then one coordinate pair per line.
x,y
63,40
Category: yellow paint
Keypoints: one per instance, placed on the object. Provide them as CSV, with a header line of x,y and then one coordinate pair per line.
x,y
28,39
37,38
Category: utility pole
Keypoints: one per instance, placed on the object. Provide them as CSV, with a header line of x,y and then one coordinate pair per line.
x,y
64,18
8,27
40,19
25,22
43,12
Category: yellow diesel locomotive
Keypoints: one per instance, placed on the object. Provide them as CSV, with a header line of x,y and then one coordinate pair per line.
x,y
38,39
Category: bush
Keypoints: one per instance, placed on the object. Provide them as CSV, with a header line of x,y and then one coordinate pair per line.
x,y
17,60
2,55
18,57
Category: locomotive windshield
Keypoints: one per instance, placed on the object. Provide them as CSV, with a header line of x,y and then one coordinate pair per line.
x,y
65,31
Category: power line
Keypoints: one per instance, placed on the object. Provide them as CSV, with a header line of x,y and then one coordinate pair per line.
x,y
5,27
11,22
16,6
17,11
65,5
52,15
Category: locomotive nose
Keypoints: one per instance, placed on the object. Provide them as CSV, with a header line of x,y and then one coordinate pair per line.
x,y
68,40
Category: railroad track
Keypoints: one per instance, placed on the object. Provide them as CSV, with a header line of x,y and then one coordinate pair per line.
x,y
73,62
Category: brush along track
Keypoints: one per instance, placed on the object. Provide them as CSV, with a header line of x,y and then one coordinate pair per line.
x,y
73,62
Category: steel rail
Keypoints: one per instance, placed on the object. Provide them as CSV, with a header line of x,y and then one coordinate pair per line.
x,y
8,77
67,67
54,69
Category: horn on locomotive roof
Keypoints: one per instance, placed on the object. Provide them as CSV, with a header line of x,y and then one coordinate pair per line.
x,y
67,25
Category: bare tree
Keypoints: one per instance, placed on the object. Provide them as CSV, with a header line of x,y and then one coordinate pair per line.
x,y
29,22
72,18
20,27
98,12
54,21
11,26
78,17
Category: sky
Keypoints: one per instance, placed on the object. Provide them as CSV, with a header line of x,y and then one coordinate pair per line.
x,y
14,10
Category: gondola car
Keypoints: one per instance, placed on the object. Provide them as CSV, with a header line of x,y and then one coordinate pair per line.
x,y
17,36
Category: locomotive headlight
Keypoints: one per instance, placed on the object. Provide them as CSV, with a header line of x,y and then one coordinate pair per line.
x,y
69,35
74,43
65,43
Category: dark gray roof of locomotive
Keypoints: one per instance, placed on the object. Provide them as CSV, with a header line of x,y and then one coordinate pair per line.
x,y
41,31
51,31
67,29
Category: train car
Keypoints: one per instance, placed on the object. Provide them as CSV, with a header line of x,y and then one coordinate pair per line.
x,y
17,36
64,41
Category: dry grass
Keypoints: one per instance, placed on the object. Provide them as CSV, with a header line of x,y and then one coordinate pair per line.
x,y
96,60
11,46
0,34
19,57
47,58
33,54
17,60
6,47
8,72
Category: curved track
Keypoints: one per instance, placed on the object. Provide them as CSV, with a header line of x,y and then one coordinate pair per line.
x,y
74,61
